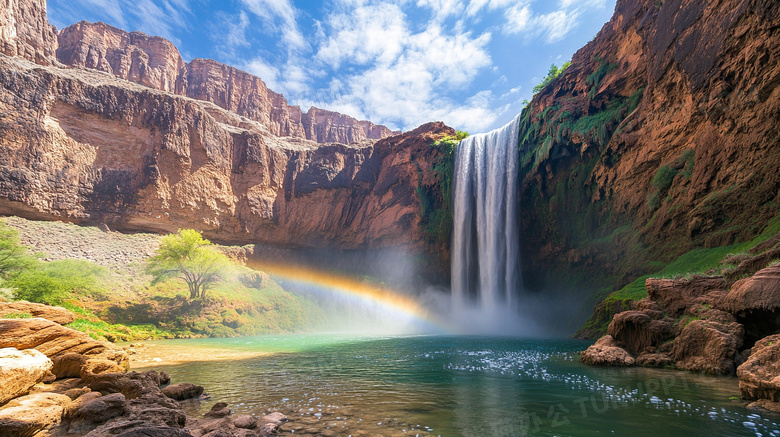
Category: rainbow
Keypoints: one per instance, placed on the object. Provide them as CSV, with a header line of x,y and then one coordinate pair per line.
x,y
395,303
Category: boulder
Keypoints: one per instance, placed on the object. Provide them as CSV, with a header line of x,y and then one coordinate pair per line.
x,y
638,331
158,409
102,408
245,421
759,292
56,342
28,415
20,370
131,384
219,410
606,352
759,376
708,346
654,360
55,314
183,391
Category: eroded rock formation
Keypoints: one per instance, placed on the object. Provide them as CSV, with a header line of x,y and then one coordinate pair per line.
x,y
86,146
155,62
659,139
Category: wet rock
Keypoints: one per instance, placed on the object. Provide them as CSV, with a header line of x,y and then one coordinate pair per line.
x,y
707,346
654,360
137,428
219,410
158,409
55,314
27,415
20,371
183,391
245,421
759,376
606,352
97,411
131,384
765,405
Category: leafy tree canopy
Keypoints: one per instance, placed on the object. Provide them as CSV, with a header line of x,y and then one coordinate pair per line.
x,y
190,257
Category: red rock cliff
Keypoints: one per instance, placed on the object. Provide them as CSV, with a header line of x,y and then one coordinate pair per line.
x,y
131,150
25,31
156,63
660,138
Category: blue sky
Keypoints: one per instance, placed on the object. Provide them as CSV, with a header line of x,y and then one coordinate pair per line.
x,y
469,63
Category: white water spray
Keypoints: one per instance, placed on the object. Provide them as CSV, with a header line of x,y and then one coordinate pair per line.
x,y
485,255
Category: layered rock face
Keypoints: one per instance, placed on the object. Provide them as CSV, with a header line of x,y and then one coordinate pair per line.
x,y
660,138
156,63
25,31
85,146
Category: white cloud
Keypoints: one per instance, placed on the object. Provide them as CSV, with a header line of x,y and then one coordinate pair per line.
x,y
230,33
395,76
280,16
552,26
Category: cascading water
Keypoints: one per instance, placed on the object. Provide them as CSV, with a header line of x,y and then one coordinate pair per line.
x,y
485,256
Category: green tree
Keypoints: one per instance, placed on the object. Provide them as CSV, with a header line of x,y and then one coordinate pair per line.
x,y
13,256
552,73
189,257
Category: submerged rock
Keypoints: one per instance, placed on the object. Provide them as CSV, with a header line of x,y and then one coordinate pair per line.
x,y
20,370
606,352
183,391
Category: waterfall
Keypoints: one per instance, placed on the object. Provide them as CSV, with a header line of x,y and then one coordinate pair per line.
x,y
485,255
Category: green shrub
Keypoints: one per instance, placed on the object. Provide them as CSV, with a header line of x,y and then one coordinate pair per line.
x,y
52,282
552,73
663,178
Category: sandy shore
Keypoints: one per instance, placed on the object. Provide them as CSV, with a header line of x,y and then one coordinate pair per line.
x,y
152,354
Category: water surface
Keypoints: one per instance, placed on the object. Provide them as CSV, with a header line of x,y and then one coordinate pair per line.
x,y
460,386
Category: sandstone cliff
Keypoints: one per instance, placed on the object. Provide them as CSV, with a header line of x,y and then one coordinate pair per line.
x,y
25,31
83,146
660,138
130,149
155,62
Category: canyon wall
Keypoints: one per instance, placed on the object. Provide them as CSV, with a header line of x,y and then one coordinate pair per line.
x,y
129,149
661,137
25,31
155,62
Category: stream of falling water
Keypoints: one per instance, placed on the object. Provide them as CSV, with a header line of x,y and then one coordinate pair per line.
x,y
485,255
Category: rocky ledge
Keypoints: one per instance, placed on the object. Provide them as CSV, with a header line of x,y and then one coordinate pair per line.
x,y
56,381
705,324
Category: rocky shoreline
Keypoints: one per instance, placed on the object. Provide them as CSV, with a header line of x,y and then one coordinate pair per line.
x,y
719,325
56,381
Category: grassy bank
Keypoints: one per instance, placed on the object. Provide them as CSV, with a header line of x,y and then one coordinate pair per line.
x,y
100,276
705,261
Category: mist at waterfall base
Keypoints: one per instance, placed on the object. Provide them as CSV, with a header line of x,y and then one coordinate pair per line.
x,y
487,282
384,292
